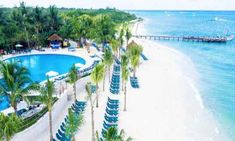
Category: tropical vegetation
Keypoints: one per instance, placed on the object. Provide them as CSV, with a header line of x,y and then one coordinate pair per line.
x,y
97,76
125,75
9,125
108,61
47,92
89,97
74,123
31,26
112,134
134,51
16,82
72,79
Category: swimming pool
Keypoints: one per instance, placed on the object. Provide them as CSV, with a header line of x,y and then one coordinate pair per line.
x,y
40,64
4,103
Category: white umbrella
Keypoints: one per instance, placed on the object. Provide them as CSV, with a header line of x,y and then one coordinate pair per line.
x,y
52,73
96,59
79,65
18,45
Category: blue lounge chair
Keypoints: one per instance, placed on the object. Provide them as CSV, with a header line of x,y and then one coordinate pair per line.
x,y
111,119
60,138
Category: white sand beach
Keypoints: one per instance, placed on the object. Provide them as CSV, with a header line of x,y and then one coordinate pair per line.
x,y
166,107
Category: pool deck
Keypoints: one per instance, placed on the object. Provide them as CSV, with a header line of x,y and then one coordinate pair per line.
x,y
81,52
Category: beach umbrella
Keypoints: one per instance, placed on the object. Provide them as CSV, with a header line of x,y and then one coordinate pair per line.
x,y
96,59
52,73
18,45
79,65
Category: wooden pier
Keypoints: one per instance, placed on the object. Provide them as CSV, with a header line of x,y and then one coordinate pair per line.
x,y
188,38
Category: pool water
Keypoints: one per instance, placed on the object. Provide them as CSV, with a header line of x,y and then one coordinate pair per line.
x,y
40,64
4,102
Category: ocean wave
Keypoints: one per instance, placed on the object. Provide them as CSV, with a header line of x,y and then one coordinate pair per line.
x,y
222,20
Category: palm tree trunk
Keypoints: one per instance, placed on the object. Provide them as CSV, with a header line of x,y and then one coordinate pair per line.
x,y
97,96
109,75
75,91
73,138
134,72
125,97
15,107
123,84
92,121
104,81
50,125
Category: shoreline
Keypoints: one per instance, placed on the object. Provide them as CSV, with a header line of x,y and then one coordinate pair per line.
x,y
209,130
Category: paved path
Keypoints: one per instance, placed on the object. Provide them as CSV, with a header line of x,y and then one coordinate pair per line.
x,y
40,130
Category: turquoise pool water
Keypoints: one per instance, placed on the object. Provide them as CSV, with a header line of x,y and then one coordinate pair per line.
x,y
214,62
4,104
40,64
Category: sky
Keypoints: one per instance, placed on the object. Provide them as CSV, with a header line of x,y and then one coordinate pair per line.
x,y
130,4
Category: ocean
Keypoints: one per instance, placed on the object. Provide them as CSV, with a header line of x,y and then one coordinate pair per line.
x,y
214,62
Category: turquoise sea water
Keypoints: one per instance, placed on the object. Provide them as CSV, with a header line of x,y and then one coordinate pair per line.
x,y
214,62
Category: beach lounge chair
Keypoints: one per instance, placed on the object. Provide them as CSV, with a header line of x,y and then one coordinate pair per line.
x,y
111,112
111,119
60,138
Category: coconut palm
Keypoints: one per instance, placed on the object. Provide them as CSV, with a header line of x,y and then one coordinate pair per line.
x,y
108,61
72,79
125,75
112,134
134,52
120,39
104,28
96,76
46,97
115,44
16,82
73,124
128,35
89,96
9,125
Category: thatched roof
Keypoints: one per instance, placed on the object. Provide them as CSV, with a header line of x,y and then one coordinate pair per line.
x,y
54,37
131,44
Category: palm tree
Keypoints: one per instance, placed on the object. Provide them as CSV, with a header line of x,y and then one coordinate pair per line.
x,y
47,98
134,52
89,96
104,28
128,35
120,39
96,76
112,134
73,124
108,61
16,82
115,44
125,74
72,79
9,125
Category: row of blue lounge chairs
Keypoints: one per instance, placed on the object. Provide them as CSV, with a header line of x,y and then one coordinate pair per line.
x,y
88,69
134,82
77,107
111,116
115,81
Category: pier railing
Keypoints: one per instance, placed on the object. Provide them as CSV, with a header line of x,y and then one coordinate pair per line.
x,y
187,38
